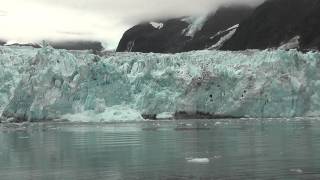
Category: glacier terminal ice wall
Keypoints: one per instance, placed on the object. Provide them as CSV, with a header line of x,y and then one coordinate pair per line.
x,y
46,84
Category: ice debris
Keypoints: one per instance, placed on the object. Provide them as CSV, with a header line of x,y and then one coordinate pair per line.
x,y
198,160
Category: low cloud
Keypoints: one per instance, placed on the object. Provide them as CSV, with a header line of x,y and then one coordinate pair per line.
x,y
103,20
3,13
75,33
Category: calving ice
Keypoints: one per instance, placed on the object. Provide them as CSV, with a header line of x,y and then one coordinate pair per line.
x,y
48,84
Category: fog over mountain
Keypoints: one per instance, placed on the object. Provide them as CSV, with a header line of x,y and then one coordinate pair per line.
x,y
98,20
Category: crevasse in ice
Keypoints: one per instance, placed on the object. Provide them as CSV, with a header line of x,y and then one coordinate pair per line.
x,y
46,84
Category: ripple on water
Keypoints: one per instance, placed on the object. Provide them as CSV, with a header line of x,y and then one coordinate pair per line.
x,y
231,149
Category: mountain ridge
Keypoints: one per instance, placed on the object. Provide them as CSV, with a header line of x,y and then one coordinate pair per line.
x,y
285,24
182,34
277,21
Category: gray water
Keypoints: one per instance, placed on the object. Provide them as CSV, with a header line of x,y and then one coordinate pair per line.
x,y
236,149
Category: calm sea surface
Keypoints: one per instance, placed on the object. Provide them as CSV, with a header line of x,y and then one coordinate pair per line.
x,y
206,149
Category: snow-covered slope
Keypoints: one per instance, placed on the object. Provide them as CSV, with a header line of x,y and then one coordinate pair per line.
x,y
45,84
157,25
195,24
228,34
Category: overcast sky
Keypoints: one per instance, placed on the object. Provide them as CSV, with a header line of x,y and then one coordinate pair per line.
x,y
102,20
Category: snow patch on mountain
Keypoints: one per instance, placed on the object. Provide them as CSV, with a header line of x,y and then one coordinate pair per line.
x,y
157,25
293,43
130,46
195,24
230,32
235,27
225,38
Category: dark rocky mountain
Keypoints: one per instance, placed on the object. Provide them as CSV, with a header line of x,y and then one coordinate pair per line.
x,y
183,34
2,42
276,22
220,21
146,38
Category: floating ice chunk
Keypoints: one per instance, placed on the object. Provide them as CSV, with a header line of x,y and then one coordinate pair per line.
x,y
24,137
296,170
217,123
198,160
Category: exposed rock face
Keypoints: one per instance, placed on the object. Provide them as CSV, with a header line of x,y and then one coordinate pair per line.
x,y
182,34
276,22
2,42
221,21
146,38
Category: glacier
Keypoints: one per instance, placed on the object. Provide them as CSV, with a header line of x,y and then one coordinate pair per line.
x,y
48,84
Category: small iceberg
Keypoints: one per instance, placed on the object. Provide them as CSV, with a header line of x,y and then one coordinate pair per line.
x,y
151,127
198,160
187,127
296,171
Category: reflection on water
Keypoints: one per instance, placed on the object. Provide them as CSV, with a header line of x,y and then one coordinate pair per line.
x,y
229,149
